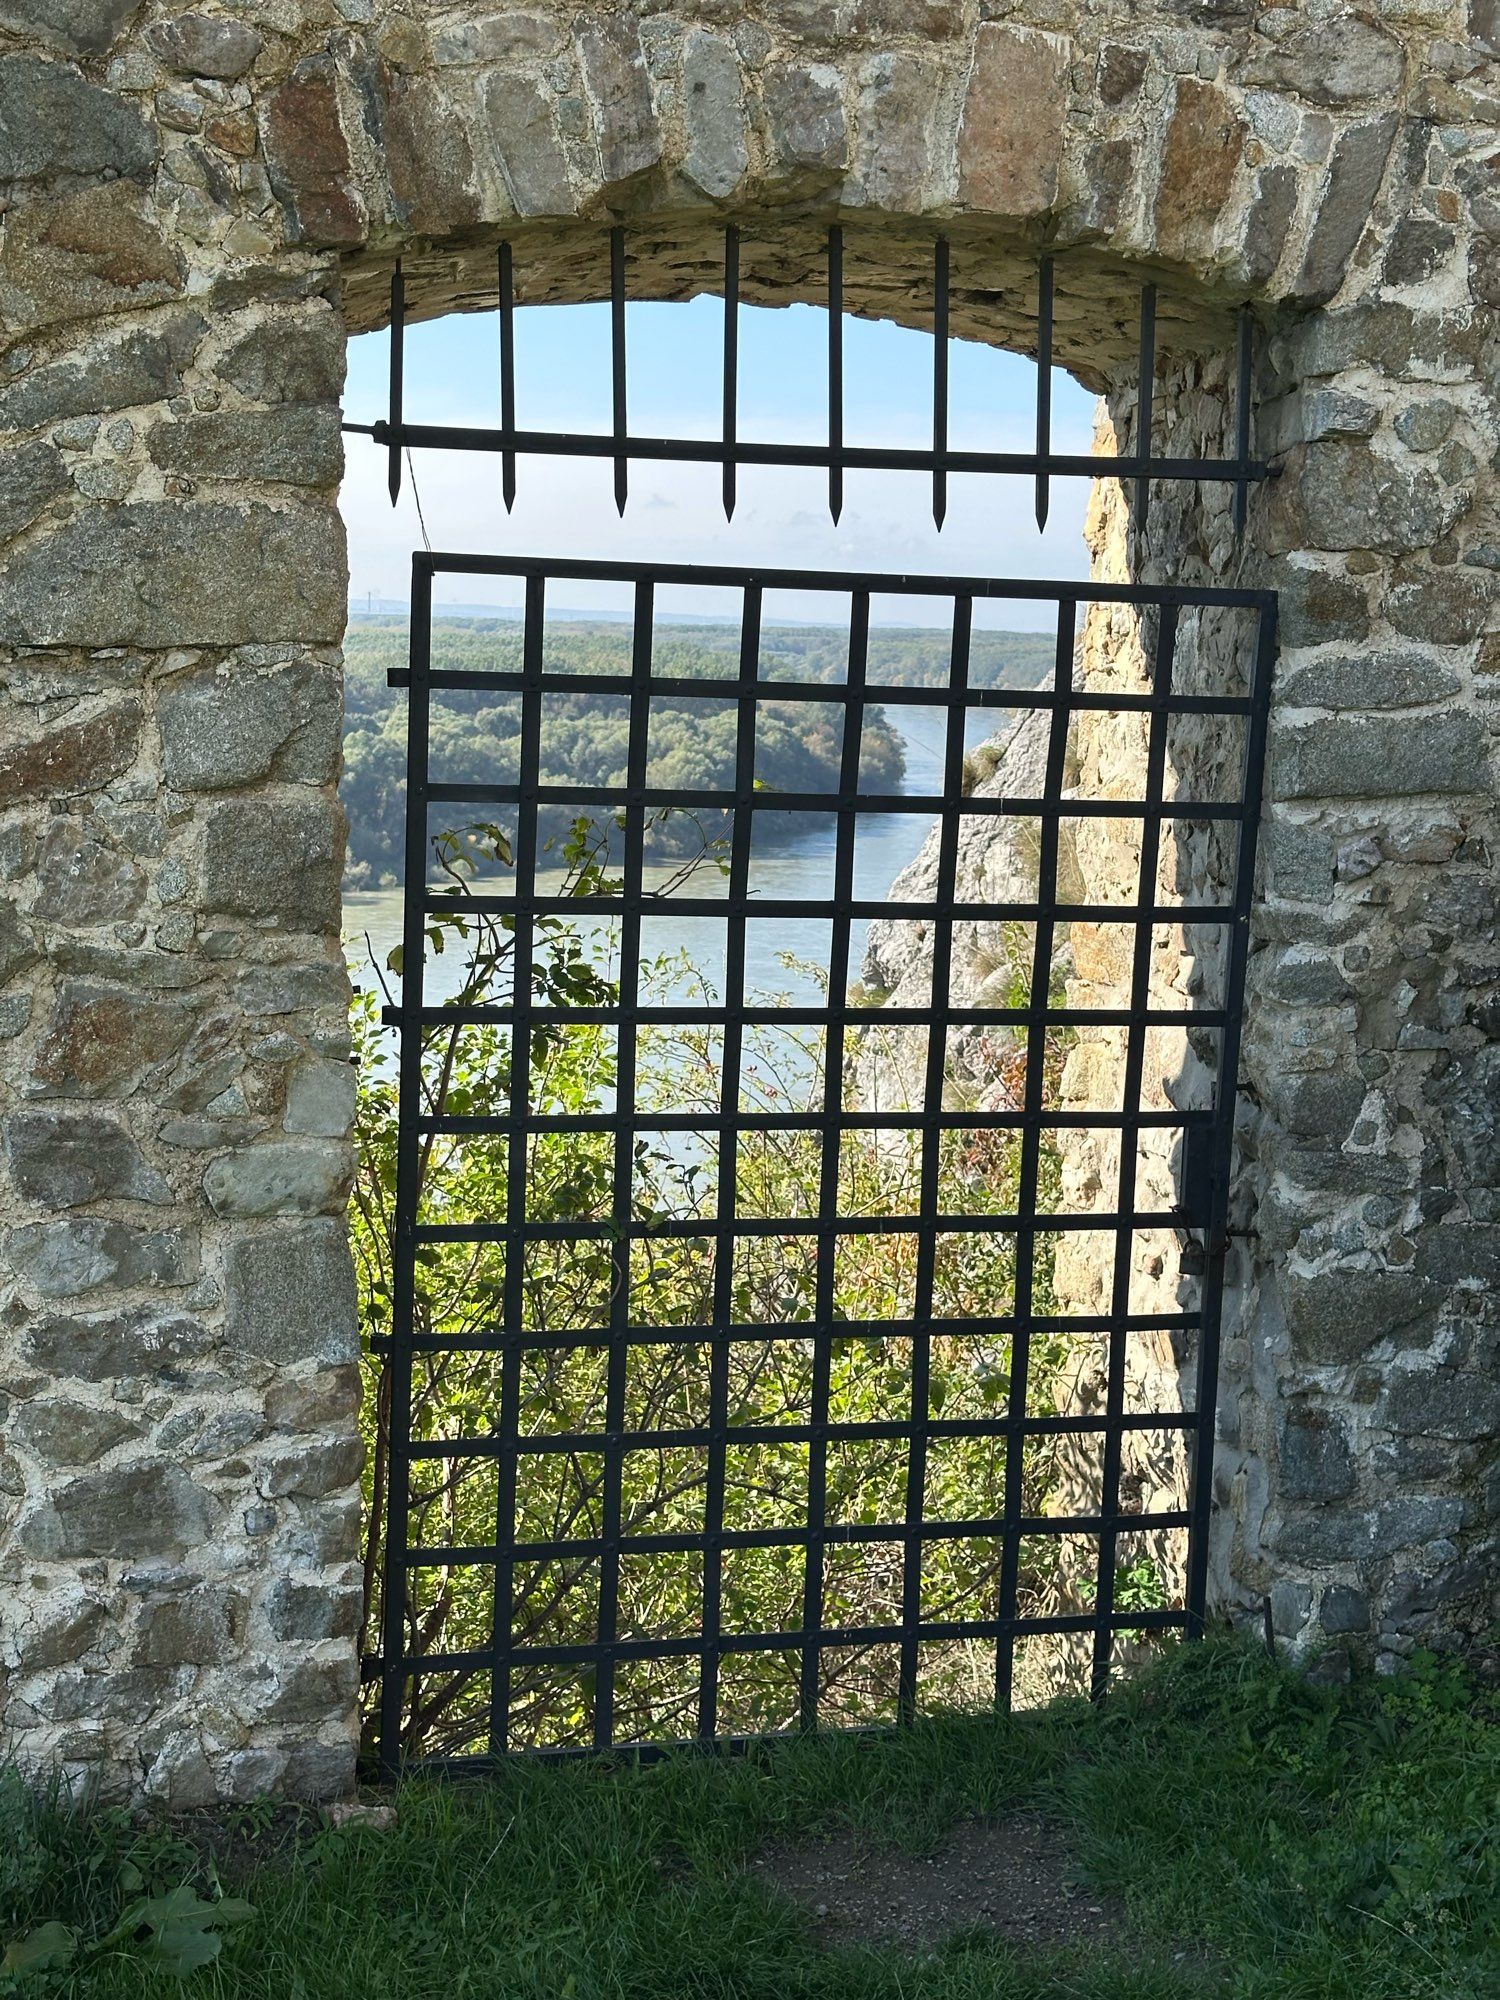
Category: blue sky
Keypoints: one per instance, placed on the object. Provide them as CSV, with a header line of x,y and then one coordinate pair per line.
x,y
565,507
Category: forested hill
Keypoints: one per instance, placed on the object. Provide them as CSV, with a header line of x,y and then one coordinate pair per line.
x,y
585,738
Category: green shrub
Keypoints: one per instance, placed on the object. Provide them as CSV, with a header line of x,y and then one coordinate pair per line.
x,y
562,1389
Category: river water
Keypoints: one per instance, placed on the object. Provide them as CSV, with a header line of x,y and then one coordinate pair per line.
x,y
884,844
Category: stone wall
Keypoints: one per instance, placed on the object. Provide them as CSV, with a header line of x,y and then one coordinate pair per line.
x,y
198,203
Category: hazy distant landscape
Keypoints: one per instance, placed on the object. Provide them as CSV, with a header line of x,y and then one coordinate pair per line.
x,y
585,738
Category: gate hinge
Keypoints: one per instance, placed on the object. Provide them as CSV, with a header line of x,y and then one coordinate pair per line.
x,y
1195,1175
1196,1181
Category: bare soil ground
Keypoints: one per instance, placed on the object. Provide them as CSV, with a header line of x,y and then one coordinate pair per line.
x,y
1014,1876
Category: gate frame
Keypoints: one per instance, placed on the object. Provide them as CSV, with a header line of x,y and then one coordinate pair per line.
x,y
1207,1137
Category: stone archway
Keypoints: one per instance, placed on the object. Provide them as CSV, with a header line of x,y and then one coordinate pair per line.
x,y
200,207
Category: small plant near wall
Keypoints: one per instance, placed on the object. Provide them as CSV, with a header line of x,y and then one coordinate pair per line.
x,y
566,1285
136,1894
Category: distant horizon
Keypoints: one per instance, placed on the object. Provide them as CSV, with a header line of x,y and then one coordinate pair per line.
x,y
394,608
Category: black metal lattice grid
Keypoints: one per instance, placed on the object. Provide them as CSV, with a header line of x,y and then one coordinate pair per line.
x,y
1205,1135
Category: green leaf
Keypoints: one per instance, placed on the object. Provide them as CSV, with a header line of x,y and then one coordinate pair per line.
x,y
49,1945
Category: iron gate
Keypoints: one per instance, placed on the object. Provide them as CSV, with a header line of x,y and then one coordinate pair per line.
x,y
800,1525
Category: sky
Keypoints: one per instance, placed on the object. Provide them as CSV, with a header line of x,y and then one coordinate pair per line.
x,y
565,507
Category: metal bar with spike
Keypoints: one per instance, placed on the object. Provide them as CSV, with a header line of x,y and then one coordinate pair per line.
x,y
1043,390
398,343
940,381
506,289
617,360
1147,379
731,364
835,371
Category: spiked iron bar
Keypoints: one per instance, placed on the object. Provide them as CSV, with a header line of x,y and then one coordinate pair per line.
x,y
1140,466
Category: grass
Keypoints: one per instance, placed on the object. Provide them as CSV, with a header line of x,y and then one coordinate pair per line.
x,y
1309,1843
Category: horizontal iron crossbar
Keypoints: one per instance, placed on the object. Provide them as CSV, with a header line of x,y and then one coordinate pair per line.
x,y
842,1534
485,1340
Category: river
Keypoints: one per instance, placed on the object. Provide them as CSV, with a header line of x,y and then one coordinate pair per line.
x,y
884,844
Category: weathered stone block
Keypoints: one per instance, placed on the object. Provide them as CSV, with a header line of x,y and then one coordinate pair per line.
x,y
321,1770
522,121
289,1295
1459,1253
320,1099
66,1158
18,950
1341,1609
805,107
67,1624
139,367
104,1347
241,726
1010,140
1366,680
93,250
101,1039
179,573
935,20
501,39
289,445
72,756
1340,494
204,45
713,108
1315,1461
1417,249
81,27
280,858
147,1509
1318,606
1461,1406
1321,1106
201,1628
316,1689
64,1259
307,157
54,122
313,1470
312,1611
63,1431
614,74
1204,145
428,156
897,109
288,358
1445,607
1376,757
279,1178
1269,221
1344,60
1336,1316
1291,1605
1354,177
31,477
83,878
327,1399
286,989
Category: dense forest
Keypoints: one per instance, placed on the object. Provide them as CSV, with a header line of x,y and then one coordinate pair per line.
x,y
585,738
